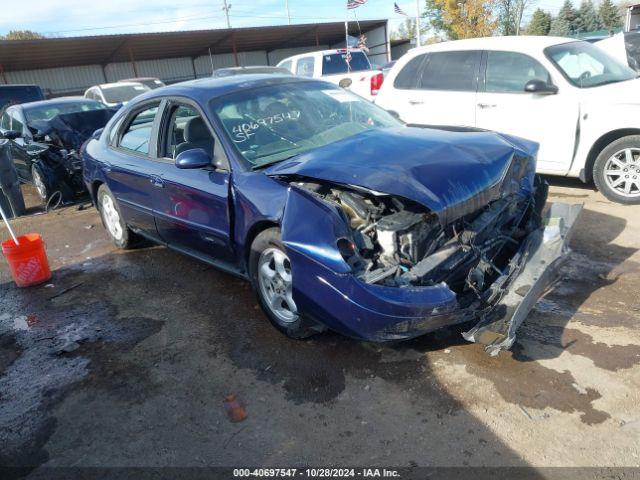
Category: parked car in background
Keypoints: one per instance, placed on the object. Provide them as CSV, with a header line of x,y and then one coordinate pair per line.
x,y
341,216
115,94
580,104
45,139
15,94
150,82
332,65
227,72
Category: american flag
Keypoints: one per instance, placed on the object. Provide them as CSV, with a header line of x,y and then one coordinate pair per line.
x,y
398,10
351,4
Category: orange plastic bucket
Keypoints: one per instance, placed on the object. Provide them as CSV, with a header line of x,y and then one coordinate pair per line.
x,y
27,260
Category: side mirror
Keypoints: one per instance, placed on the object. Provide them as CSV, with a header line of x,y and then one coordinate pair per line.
x,y
541,88
194,158
11,134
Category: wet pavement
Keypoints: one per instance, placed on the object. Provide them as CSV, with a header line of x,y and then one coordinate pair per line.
x,y
125,359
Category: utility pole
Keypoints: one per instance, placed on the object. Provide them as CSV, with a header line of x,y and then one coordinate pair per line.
x,y
286,3
226,9
417,23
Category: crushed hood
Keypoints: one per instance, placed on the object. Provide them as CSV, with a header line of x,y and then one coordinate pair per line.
x,y
71,130
450,173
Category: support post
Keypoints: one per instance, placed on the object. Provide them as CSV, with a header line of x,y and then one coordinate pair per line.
x,y
417,23
235,49
133,63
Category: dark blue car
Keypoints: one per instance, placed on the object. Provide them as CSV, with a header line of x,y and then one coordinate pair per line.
x,y
341,216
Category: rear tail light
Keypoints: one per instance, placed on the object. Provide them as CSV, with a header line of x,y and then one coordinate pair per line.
x,y
376,83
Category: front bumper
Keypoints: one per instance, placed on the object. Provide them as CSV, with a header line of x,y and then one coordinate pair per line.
x,y
378,313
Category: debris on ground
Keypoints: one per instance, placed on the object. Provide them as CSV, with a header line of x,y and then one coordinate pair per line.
x,y
235,408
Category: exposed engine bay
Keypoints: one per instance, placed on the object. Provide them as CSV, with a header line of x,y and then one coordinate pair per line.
x,y
396,242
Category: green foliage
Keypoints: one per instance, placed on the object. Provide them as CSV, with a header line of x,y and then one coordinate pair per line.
x,y
587,19
567,17
21,35
540,23
560,27
610,17
433,14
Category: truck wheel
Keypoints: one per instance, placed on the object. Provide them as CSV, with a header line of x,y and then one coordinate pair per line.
x,y
112,219
616,171
270,270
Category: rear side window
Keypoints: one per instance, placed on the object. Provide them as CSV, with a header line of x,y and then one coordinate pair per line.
x,y
5,122
16,121
137,135
453,71
408,77
336,63
304,67
509,72
287,65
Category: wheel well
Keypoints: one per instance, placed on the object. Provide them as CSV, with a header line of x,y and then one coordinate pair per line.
x,y
94,192
600,145
254,231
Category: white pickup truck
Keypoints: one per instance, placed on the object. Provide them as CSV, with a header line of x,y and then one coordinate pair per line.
x,y
331,65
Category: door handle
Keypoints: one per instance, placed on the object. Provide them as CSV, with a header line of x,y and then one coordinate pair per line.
x,y
157,182
416,102
487,105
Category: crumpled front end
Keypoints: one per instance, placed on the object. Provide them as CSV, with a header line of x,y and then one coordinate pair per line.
x,y
383,267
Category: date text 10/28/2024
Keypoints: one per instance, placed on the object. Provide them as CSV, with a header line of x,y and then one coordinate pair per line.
x,y
316,472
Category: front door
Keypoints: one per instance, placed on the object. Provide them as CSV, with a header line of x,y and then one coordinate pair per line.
x,y
438,89
192,205
133,171
549,119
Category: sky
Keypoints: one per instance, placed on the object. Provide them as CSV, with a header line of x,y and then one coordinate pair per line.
x,y
81,17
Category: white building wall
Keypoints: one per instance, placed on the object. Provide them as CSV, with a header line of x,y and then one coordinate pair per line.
x,y
60,80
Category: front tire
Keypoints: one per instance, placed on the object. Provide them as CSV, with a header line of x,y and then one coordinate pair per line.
x,y
112,219
40,182
616,172
272,280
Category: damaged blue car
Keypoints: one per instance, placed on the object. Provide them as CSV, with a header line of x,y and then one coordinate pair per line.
x,y
341,216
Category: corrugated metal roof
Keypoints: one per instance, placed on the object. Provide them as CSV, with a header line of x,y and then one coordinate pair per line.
x,y
101,50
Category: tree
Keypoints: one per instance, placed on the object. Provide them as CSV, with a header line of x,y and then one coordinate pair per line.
x,y
540,23
433,14
587,19
507,17
568,15
407,29
610,18
463,18
21,35
560,27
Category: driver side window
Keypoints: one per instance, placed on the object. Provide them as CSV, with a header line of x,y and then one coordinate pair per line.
x,y
187,130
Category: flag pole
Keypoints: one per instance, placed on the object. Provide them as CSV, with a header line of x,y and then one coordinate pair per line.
x,y
346,35
417,23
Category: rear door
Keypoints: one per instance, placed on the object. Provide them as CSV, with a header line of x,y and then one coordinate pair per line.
x,y
504,106
438,89
21,158
192,205
133,172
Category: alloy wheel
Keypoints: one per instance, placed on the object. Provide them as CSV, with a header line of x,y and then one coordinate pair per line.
x,y
276,284
111,217
39,184
622,172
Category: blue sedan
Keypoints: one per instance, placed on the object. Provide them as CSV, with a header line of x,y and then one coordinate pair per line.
x,y
340,216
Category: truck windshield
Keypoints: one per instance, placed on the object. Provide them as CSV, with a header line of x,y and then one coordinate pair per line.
x,y
272,123
13,94
336,63
586,65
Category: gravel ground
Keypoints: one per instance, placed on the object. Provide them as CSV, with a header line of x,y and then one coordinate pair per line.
x,y
126,357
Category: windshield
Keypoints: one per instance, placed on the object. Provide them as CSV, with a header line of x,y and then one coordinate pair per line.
x,y
270,124
585,65
123,93
11,95
48,111
336,63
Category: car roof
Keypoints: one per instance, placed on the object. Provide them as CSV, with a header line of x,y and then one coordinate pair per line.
x,y
136,79
106,86
522,43
205,89
53,101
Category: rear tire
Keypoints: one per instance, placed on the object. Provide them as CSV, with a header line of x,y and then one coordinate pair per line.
x,y
616,171
270,271
112,219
